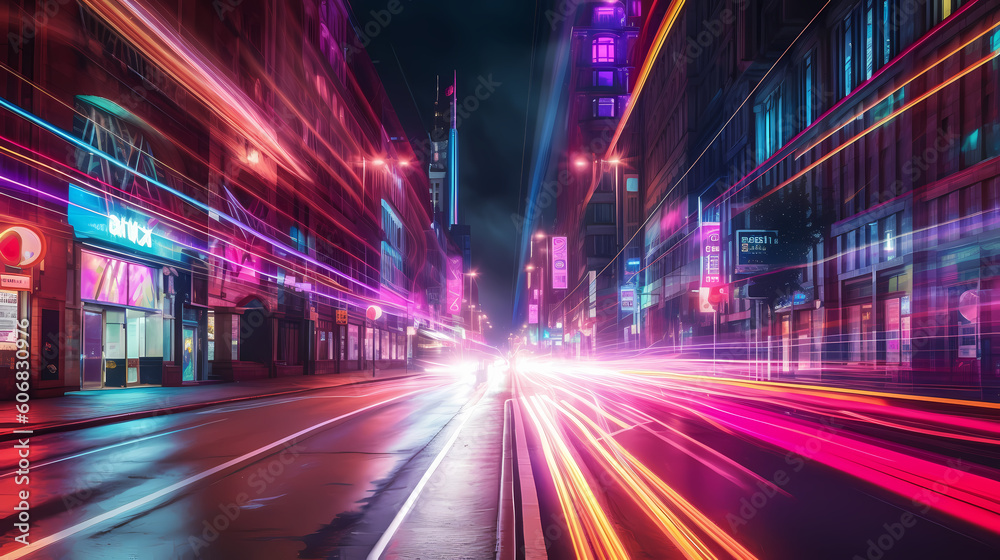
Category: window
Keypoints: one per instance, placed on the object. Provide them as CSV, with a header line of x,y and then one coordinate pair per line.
x,y
889,30
603,50
631,184
869,39
848,55
940,10
604,245
603,213
604,15
605,107
807,88
604,78
769,131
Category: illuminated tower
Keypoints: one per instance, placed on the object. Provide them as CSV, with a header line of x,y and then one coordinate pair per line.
x,y
453,155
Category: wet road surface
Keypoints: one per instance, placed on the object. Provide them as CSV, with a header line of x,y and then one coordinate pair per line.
x,y
319,475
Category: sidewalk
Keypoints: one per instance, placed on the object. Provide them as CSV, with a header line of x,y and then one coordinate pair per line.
x,y
83,409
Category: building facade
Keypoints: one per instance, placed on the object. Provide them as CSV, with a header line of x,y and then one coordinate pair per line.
x,y
597,208
861,139
221,188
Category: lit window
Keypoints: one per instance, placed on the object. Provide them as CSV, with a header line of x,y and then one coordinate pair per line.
x,y
995,41
604,14
848,52
869,40
605,107
807,88
769,132
888,30
604,49
604,78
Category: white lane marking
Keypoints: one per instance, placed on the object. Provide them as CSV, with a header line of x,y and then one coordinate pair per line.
x,y
84,525
252,405
99,449
383,541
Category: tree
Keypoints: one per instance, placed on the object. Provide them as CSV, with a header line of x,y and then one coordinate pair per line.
x,y
801,225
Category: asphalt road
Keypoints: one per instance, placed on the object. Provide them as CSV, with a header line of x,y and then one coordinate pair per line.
x,y
318,475
678,466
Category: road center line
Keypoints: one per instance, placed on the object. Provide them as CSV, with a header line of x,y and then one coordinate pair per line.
x,y
386,537
82,526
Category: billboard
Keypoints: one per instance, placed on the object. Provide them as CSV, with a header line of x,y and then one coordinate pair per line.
x,y
455,284
711,255
628,298
755,250
560,263
110,220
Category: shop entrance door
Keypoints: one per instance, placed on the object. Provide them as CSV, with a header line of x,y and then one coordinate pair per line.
x,y
190,354
93,350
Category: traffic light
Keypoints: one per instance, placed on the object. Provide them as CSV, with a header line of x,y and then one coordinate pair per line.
x,y
716,294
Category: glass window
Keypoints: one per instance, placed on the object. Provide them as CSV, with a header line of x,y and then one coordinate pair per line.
x,y
605,107
604,78
103,278
889,234
603,213
604,15
769,131
848,55
211,335
888,31
236,336
869,39
603,50
352,342
873,244
807,88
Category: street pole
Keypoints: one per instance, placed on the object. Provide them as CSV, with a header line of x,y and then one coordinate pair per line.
x,y
715,337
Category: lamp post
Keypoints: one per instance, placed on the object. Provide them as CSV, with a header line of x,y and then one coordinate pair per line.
x,y
542,316
469,306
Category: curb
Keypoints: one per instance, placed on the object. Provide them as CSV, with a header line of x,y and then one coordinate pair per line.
x,y
140,414
508,530
528,517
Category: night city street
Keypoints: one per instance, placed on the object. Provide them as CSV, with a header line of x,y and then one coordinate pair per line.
x,y
500,280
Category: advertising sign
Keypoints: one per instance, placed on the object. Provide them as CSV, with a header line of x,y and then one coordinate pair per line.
x,y
341,316
456,286
711,254
8,315
560,263
755,250
628,298
533,314
21,246
110,220
20,282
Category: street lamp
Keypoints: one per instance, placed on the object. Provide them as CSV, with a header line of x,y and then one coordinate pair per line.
x,y
472,277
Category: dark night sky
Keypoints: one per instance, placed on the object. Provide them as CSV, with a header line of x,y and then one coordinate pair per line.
x,y
479,40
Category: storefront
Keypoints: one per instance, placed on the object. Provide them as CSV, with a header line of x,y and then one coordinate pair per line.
x,y
138,289
21,249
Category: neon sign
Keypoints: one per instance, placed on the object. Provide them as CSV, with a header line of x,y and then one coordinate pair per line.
x,y
126,228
